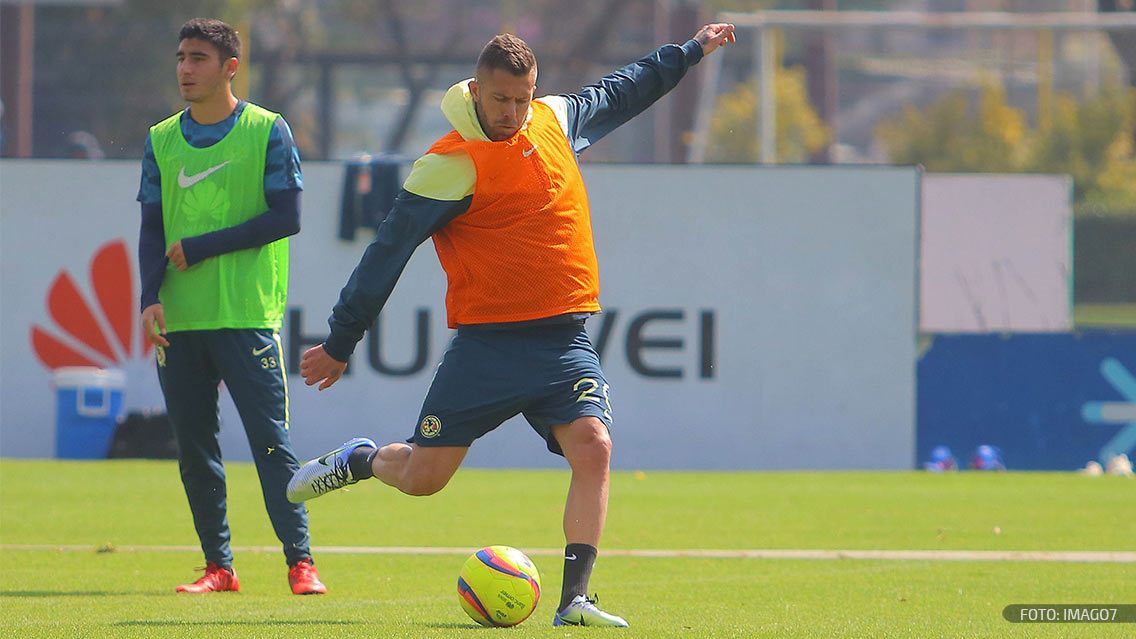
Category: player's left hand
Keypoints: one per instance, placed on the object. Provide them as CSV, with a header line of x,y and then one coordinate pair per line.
x,y
177,256
715,35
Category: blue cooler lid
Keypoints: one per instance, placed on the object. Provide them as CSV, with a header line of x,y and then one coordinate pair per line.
x,y
89,377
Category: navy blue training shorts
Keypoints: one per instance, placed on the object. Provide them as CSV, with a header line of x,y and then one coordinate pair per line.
x,y
551,374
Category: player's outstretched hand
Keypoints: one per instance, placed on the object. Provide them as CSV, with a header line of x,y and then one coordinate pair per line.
x,y
715,35
317,367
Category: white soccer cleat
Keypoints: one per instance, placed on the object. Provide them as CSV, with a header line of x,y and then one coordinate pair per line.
x,y
325,474
583,612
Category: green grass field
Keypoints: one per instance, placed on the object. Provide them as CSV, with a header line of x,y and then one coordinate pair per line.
x,y
1105,315
94,549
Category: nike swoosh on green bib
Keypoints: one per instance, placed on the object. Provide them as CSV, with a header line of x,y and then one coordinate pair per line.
x,y
186,181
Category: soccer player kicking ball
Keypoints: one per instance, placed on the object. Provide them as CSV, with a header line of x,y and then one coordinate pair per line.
x,y
503,198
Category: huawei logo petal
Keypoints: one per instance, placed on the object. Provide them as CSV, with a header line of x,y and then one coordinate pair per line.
x,y
86,334
113,282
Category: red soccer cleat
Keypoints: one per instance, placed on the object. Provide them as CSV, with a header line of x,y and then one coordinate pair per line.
x,y
215,579
305,580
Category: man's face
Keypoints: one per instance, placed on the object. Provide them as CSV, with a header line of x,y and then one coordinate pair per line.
x,y
200,71
502,100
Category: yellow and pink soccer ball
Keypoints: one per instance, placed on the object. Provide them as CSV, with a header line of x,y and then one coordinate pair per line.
x,y
499,586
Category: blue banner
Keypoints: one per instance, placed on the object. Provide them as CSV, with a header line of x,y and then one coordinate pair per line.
x,y
1048,401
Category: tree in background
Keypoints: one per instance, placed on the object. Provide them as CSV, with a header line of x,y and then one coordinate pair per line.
x,y
800,131
1123,41
294,52
132,46
951,135
1091,140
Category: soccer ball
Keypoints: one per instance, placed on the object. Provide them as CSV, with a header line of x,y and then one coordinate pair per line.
x,y
498,586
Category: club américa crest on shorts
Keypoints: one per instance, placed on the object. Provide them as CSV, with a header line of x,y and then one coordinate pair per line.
x,y
431,426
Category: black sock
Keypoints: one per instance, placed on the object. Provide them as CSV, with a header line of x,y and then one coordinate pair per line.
x,y
578,562
359,461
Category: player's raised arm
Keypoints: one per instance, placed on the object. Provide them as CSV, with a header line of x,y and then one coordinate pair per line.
x,y
598,109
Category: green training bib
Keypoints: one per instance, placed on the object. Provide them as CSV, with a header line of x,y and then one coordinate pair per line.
x,y
210,189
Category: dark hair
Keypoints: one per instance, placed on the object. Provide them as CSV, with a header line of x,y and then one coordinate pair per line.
x,y
219,34
509,53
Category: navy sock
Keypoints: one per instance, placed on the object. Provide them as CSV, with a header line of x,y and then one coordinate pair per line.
x,y
578,562
359,462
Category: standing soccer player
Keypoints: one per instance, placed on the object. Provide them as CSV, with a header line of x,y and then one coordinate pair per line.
x,y
503,198
220,193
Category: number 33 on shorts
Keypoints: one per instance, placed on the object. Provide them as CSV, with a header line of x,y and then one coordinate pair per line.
x,y
266,361
587,388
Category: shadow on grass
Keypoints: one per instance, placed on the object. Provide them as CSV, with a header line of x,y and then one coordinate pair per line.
x,y
243,622
454,626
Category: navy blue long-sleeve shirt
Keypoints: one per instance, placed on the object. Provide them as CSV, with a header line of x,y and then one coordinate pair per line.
x,y
435,193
